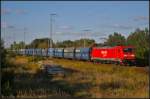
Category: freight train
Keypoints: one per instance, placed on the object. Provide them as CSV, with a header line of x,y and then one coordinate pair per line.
x,y
116,54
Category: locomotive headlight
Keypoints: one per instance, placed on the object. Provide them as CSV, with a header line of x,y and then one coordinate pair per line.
x,y
125,55
132,55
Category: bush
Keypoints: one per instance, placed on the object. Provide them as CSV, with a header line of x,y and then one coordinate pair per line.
x,y
7,83
35,58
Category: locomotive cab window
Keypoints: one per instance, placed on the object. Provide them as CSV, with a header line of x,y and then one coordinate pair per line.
x,y
128,49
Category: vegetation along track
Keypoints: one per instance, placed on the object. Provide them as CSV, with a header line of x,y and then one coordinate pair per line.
x,y
84,79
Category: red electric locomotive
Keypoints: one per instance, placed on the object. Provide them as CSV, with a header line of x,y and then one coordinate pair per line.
x,y
117,54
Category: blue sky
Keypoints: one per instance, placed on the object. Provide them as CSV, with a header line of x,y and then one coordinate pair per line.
x,y
99,17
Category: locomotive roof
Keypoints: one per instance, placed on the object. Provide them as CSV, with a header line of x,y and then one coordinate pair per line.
x,y
69,48
114,46
82,47
104,47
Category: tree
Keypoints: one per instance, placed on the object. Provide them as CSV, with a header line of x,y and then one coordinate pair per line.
x,y
115,39
68,43
19,45
3,55
80,43
6,75
140,39
76,43
40,43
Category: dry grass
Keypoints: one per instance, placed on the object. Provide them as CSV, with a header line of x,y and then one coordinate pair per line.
x,y
23,64
109,80
93,80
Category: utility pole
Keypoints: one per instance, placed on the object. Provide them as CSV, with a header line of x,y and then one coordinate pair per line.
x,y
104,39
50,43
86,31
33,49
24,38
14,41
4,39
51,30
13,37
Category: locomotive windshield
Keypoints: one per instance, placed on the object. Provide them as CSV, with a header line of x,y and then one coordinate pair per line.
x,y
128,49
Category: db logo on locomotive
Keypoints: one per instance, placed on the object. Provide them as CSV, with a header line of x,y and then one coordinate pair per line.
x,y
104,53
